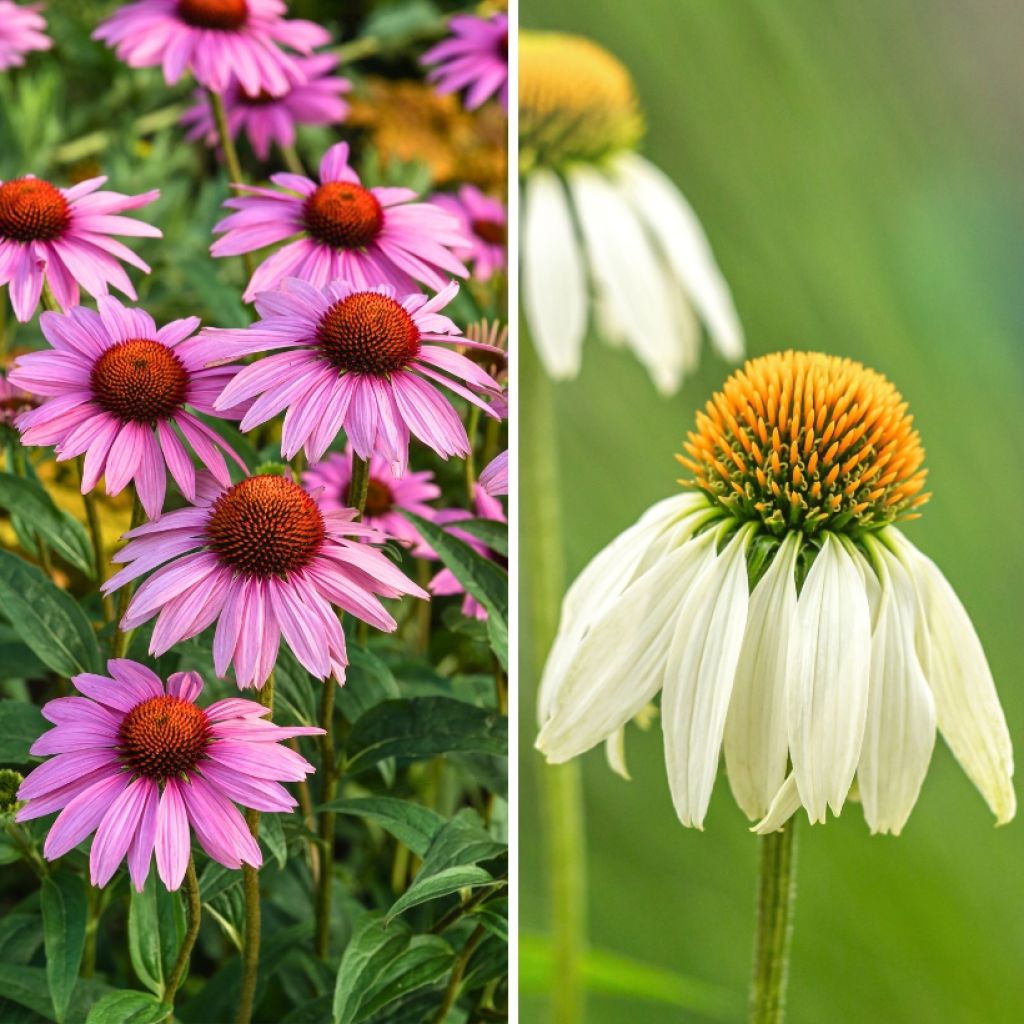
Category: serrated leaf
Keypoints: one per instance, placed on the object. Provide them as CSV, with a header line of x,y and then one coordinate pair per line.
x,y
65,910
412,824
21,724
47,619
443,883
63,534
491,531
371,949
427,960
463,840
422,727
129,1007
156,929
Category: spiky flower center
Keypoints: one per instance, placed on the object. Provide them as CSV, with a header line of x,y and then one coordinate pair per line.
x,y
139,380
343,215
32,211
379,498
804,441
368,333
163,737
222,14
265,526
491,231
576,101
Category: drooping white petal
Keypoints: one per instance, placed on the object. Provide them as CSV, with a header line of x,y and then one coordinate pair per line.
x,y
602,581
756,742
627,274
966,703
828,674
615,752
702,663
620,663
669,216
554,279
784,805
900,731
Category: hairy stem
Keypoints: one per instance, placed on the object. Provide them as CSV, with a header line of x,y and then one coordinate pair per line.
x,y
92,518
775,897
234,165
122,639
451,993
193,912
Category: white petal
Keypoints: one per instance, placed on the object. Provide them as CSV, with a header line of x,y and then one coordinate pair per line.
x,y
966,703
615,752
698,683
620,663
602,581
900,732
676,226
756,744
554,280
783,807
627,275
828,691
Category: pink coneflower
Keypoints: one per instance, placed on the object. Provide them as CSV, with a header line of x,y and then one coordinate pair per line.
x,y
21,29
444,583
484,222
474,58
386,495
117,388
268,119
368,236
358,359
494,478
13,401
220,41
140,766
262,560
61,234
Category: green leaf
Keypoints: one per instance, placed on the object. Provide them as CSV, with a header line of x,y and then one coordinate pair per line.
x,y
426,961
21,724
47,618
463,840
272,835
27,986
129,1007
372,948
487,582
156,929
369,682
65,910
20,936
492,532
412,824
611,974
17,661
63,534
423,727
494,916
443,883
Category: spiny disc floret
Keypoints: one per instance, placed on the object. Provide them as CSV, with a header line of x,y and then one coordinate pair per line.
x,y
220,14
139,381
163,737
805,441
265,526
343,215
32,210
368,333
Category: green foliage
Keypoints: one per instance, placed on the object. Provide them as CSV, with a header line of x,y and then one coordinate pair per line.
x,y
156,928
64,921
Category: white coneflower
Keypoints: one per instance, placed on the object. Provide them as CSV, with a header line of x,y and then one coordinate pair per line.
x,y
603,228
783,615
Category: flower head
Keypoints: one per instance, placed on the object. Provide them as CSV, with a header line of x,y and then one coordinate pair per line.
x,y
262,560
267,119
368,236
387,496
220,41
142,765
445,582
593,209
474,58
783,614
483,221
22,29
356,358
120,391
62,235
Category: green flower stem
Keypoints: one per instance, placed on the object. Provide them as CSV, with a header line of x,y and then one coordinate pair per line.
x,y
293,161
122,639
451,993
227,146
328,757
775,897
251,892
92,517
562,786
472,425
193,911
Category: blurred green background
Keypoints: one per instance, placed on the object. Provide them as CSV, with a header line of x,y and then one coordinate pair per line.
x,y
859,168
